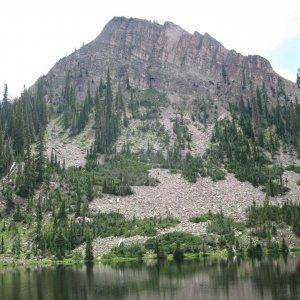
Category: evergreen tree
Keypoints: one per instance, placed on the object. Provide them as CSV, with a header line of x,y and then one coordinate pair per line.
x,y
89,255
38,231
120,107
178,253
107,123
82,117
8,195
17,217
5,95
89,189
16,246
62,214
40,160
5,102
60,245
6,155
78,199
26,180
68,104
2,246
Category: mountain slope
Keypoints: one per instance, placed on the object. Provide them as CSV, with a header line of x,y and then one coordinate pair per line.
x,y
165,57
180,135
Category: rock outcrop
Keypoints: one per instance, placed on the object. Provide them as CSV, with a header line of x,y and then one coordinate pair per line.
x,y
166,57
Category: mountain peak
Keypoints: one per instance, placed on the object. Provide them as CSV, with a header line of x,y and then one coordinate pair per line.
x,y
168,58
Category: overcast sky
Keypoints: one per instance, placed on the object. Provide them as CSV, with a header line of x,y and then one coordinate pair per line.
x,y
34,34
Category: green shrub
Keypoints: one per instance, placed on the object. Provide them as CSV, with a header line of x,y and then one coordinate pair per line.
x,y
202,218
168,242
288,212
273,188
113,186
77,257
255,250
193,166
294,168
178,254
223,225
115,224
127,251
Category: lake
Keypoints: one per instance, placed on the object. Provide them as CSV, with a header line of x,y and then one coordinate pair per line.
x,y
209,279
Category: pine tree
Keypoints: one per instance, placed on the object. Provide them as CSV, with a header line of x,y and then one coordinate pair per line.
x,y
89,189
20,121
89,255
78,199
5,97
120,107
38,231
8,195
60,245
5,154
26,181
98,117
178,253
132,106
81,119
2,246
17,217
62,214
16,246
52,157
40,160
68,105
107,123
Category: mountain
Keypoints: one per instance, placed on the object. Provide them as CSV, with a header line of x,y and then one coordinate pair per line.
x,y
152,142
168,58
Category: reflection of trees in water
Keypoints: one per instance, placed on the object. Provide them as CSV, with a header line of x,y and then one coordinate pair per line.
x,y
283,282
277,278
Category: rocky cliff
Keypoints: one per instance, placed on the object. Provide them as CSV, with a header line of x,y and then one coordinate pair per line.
x,y
167,58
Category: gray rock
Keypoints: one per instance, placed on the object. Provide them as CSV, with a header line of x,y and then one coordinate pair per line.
x,y
168,58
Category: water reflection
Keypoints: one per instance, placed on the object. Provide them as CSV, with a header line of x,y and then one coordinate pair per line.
x,y
210,279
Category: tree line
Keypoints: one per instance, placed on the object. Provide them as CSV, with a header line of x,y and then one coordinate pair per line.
x,y
21,122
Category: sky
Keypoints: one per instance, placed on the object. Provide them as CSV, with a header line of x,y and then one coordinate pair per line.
x,y
34,34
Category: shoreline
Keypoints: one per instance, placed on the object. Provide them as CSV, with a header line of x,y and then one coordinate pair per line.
x,y
48,262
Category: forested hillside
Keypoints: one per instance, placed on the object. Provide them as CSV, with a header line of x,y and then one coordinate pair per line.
x,y
52,201
114,162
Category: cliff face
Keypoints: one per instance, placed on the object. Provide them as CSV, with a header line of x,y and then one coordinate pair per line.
x,y
167,58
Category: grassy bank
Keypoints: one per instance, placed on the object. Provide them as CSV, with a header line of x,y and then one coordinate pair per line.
x,y
48,262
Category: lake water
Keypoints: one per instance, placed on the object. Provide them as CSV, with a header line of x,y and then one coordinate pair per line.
x,y
210,279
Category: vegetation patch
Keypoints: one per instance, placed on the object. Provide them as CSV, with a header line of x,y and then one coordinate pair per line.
x,y
168,242
115,224
203,218
192,167
293,168
223,225
115,177
126,251
265,218
145,104
245,158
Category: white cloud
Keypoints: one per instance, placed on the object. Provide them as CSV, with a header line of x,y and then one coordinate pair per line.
x,y
35,34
